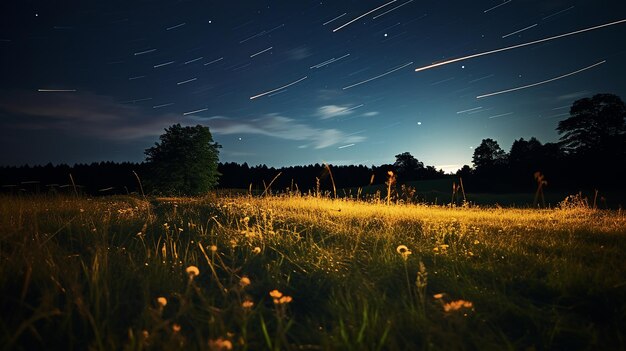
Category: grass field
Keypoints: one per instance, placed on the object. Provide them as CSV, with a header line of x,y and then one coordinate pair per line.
x,y
307,273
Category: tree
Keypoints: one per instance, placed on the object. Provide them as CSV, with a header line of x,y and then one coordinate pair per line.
x,y
407,167
184,162
487,155
524,152
596,125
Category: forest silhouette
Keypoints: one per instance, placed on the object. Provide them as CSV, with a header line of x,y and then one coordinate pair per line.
x,y
589,156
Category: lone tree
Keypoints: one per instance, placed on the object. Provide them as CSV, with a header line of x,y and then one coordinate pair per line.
x,y
595,126
184,162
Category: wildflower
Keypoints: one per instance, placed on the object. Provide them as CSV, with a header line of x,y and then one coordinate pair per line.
x,y
220,344
403,251
256,250
162,301
438,296
476,242
175,327
276,294
247,304
284,300
213,248
244,281
193,271
145,334
457,305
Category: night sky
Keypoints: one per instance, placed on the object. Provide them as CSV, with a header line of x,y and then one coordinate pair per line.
x,y
298,82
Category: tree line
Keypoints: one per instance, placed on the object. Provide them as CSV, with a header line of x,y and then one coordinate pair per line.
x,y
590,154
105,178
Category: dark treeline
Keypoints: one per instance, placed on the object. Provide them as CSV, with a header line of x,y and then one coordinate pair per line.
x,y
118,178
96,178
498,171
589,156
305,178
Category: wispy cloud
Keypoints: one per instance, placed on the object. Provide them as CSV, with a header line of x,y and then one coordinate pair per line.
x,y
299,53
371,114
330,111
83,113
91,115
573,96
274,125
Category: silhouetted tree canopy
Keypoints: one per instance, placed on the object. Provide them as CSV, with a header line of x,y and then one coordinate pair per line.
x,y
407,167
184,162
596,125
525,151
488,154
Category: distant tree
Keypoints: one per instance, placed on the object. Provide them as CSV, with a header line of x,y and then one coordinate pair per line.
x,y
525,151
596,125
487,155
184,162
408,167
464,172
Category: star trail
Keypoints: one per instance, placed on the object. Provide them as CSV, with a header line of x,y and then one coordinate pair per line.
x,y
287,83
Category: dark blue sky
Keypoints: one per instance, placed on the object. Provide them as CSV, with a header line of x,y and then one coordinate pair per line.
x,y
85,81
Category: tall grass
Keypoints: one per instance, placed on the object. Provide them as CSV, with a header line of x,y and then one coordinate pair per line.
x,y
307,272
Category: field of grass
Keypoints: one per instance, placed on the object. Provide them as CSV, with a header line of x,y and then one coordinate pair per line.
x,y
307,273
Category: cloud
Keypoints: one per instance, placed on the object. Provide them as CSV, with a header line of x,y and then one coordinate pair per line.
x,y
90,115
371,114
299,53
573,96
330,111
329,94
276,126
84,114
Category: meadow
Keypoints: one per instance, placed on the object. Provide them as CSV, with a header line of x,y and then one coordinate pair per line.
x,y
306,272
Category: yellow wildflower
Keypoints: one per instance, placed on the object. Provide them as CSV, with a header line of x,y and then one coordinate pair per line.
x,y
403,251
220,344
162,301
193,271
457,305
276,294
247,304
244,281
285,300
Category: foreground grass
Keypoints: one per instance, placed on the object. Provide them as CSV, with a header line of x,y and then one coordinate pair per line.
x,y
114,273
